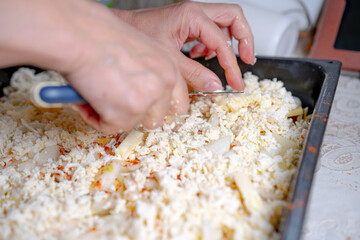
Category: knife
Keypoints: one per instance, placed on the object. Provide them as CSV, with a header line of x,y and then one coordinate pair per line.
x,y
55,94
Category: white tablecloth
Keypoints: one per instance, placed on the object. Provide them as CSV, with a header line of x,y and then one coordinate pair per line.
x,y
334,207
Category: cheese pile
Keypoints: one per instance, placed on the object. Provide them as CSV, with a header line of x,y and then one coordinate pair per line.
x,y
221,172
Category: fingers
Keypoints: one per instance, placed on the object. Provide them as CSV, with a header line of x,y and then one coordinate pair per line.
x,y
231,15
198,76
212,36
200,50
180,99
157,111
92,118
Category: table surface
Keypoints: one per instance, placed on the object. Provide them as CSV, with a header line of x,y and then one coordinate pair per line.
x,y
334,207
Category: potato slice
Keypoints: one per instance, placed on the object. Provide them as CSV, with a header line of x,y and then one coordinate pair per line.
x,y
252,199
129,144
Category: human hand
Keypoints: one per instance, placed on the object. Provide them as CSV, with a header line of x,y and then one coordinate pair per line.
x,y
122,73
212,24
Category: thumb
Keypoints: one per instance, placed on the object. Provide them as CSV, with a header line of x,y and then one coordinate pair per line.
x,y
199,77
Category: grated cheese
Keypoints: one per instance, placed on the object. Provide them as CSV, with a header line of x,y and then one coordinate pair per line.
x,y
221,172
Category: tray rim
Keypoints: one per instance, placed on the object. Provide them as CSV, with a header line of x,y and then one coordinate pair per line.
x,y
300,192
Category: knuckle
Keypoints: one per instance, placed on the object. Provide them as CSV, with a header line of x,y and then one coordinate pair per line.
x,y
189,5
237,8
194,76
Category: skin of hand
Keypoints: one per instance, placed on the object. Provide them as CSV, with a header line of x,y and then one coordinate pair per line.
x,y
212,24
125,75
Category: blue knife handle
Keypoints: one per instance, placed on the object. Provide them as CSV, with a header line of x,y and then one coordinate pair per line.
x,y
60,94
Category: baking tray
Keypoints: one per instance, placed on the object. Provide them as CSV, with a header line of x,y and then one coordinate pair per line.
x,y
314,82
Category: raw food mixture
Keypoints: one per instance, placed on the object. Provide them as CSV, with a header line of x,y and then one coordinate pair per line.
x,y
221,172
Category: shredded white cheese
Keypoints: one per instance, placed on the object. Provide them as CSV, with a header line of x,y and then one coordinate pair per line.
x,y
221,172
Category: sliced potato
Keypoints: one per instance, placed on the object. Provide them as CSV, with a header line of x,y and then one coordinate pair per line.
x,y
129,144
252,199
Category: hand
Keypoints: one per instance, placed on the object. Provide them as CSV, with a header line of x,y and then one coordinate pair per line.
x,y
173,25
123,74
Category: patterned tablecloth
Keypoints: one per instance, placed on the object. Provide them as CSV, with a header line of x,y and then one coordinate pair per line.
x,y
334,208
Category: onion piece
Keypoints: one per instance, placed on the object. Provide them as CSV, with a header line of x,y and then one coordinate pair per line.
x,y
220,146
50,152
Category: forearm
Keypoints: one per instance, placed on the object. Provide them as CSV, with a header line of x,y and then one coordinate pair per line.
x,y
31,33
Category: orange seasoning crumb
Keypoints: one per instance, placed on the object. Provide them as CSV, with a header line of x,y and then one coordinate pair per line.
x,y
108,150
152,177
312,149
97,183
61,151
68,176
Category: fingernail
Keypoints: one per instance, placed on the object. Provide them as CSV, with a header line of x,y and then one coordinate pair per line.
x,y
212,85
195,54
255,59
210,56
197,51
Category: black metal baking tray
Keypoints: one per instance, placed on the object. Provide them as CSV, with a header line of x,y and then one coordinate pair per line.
x,y
314,82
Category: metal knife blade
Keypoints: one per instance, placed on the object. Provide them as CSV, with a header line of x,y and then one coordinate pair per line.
x,y
214,93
